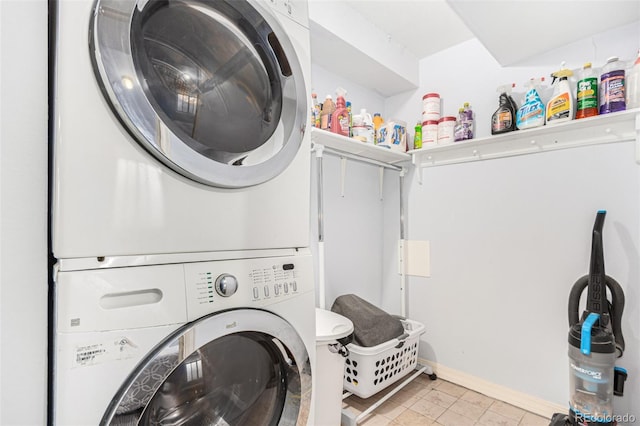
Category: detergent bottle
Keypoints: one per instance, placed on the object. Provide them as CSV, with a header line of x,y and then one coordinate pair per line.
x,y
561,107
612,96
340,117
328,107
504,119
531,113
587,93
377,124
315,110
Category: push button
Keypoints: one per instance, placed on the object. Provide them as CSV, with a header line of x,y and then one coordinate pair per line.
x,y
276,289
294,286
266,291
256,293
286,287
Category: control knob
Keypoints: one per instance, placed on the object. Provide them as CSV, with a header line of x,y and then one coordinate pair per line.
x,y
226,285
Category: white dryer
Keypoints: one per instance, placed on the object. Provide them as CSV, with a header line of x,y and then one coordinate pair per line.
x,y
225,342
180,127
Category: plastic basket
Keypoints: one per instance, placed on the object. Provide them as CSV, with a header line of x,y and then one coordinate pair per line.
x,y
369,370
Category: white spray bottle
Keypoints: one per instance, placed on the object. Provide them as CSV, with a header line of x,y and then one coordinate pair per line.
x,y
561,107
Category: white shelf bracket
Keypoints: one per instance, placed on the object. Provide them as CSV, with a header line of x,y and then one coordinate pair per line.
x,y
416,161
638,138
381,180
343,174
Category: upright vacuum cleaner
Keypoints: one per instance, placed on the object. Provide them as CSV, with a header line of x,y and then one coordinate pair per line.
x,y
595,341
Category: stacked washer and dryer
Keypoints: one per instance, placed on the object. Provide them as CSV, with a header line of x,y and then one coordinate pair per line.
x,y
183,283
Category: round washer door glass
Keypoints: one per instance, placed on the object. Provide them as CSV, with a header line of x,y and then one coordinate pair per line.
x,y
204,374
213,89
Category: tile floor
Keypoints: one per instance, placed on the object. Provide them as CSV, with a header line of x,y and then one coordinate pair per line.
x,y
440,403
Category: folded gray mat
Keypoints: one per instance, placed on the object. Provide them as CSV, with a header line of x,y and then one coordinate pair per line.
x,y
371,325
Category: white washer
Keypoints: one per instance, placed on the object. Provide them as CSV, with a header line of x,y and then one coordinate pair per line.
x,y
161,345
180,127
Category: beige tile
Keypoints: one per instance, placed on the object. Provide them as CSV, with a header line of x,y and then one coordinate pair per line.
x,y
440,398
530,419
477,399
424,380
507,410
467,409
423,400
411,418
390,409
417,388
428,409
491,418
450,418
451,389
375,420
405,398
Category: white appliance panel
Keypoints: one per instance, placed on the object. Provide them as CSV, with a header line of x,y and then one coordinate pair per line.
x,y
113,198
109,320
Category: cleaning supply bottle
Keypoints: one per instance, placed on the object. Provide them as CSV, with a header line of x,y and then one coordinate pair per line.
x,y
587,92
531,113
340,117
561,107
468,121
417,136
350,119
612,96
315,110
633,85
504,119
328,107
458,130
377,123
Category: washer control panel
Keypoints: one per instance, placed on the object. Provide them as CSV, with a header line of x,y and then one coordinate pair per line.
x,y
280,280
228,284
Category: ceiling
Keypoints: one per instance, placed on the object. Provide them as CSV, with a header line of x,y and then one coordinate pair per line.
x,y
425,27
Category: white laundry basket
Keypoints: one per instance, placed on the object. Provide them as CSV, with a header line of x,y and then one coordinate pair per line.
x,y
369,370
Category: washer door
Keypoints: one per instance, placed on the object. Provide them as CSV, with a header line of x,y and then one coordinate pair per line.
x,y
214,89
241,367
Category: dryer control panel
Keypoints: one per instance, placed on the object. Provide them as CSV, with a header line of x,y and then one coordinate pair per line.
x,y
254,283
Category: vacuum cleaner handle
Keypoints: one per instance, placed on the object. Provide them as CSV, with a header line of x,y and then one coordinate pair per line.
x,y
574,299
615,307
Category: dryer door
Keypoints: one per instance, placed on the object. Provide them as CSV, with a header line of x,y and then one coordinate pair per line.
x,y
242,367
213,89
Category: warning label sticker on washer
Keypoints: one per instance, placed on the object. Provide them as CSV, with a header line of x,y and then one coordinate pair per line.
x,y
97,353
88,355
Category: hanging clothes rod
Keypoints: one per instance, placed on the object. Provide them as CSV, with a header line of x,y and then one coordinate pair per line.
x,y
354,157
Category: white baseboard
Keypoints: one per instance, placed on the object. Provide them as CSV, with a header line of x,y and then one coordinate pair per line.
x,y
502,393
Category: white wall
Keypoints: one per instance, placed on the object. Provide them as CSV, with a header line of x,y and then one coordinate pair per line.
x,y
324,83
509,237
23,212
357,223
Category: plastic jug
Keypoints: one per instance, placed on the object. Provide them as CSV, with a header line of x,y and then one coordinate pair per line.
x,y
612,96
587,93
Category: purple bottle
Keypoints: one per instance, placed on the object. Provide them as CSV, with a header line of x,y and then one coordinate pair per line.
x,y
612,96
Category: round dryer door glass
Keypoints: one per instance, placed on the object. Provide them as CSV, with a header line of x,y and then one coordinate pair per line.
x,y
213,89
242,367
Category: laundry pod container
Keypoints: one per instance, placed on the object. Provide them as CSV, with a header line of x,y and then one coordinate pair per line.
x,y
333,332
